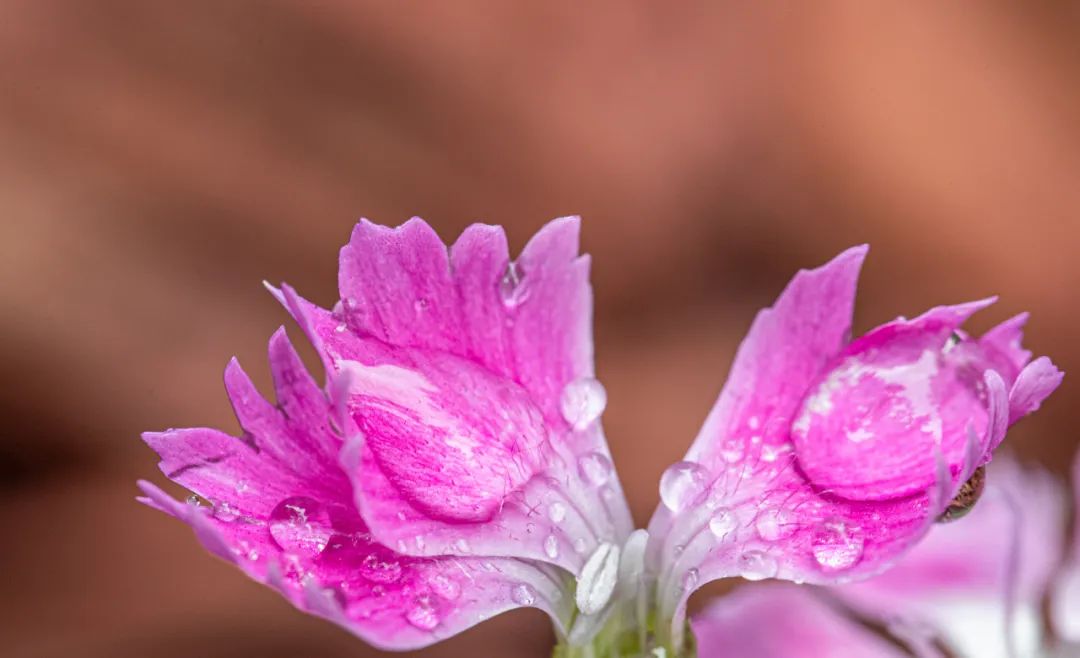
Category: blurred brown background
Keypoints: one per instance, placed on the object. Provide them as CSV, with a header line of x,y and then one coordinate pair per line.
x,y
158,160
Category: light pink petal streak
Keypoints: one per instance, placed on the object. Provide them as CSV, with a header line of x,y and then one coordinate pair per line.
x,y
783,621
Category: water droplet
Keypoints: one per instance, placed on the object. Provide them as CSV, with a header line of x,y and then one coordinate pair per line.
x,y
681,484
551,547
690,579
523,594
582,402
512,289
462,546
723,522
837,546
732,450
557,512
300,525
421,305
595,468
423,614
598,578
756,565
771,453
196,501
580,545
379,570
225,512
773,524
445,586
340,328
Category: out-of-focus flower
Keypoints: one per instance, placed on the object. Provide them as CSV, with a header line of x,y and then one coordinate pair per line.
x,y
453,466
825,458
975,589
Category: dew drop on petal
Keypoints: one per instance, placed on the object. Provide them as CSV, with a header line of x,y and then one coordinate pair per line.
x,y
423,615
732,450
512,289
756,565
723,521
523,594
551,547
837,546
681,484
462,546
595,468
774,523
301,526
225,512
557,512
582,402
195,501
445,586
380,570
690,579
580,545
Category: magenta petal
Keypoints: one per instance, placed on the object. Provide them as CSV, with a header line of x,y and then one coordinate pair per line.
x,y
782,621
1036,382
277,504
1007,339
467,382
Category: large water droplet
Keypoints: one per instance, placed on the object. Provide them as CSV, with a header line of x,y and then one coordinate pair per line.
x,y
582,402
551,547
722,522
557,512
681,484
595,468
512,289
301,526
756,565
523,594
598,578
445,586
837,546
774,523
423,614
380,569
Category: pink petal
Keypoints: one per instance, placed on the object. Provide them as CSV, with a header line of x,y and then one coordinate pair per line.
x,y
1036,382
453,372
277,504
960,577
783,621
823,461
1007,339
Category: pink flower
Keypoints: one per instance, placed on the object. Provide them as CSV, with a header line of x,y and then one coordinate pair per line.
x,y
975,588
454,466
826,458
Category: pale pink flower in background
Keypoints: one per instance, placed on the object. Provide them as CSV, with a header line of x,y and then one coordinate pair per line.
x,y
454,465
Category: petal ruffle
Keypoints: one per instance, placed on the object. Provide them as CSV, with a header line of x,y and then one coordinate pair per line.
x,y
274,504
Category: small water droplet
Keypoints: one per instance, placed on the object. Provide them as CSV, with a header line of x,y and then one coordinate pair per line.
x,y
756,565
551,547
557,512
196,501
445,586
523,594
462,545
771,453
722,522
512,289
732,450
225,512
423,615
580,545
421,305
380,569
582,402
837,546
300,525
595,468
681,484
242,486
773,524
340,328
690,579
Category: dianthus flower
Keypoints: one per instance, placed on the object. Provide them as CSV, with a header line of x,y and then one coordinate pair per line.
x,y
453,464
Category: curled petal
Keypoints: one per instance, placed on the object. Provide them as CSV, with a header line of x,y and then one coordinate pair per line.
x,y
783,621
277,505
1036,382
